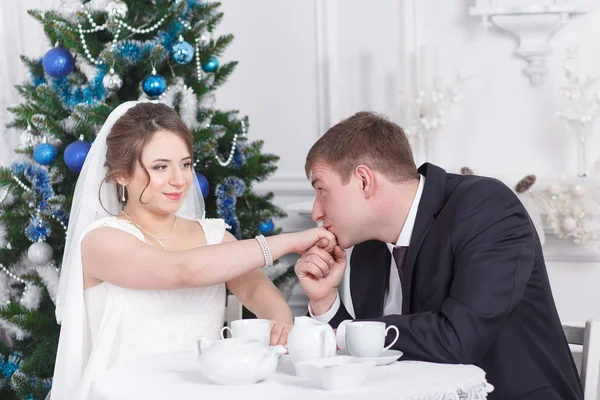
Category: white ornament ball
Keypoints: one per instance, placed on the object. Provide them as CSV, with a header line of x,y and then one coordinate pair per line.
x,y
578,190
554,189
117,9
40,253
112,81
569,224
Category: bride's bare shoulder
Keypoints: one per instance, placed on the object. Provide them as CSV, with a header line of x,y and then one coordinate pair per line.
x,y
190,228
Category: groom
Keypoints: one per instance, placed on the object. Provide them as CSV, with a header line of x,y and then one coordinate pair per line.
x,y
452,261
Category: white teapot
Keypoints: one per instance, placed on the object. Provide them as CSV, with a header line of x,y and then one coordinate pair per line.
x,y
237,361
309,340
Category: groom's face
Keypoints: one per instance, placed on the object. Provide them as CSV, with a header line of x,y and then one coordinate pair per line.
x,y
337,205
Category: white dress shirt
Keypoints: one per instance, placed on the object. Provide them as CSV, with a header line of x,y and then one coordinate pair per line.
x,y
393,294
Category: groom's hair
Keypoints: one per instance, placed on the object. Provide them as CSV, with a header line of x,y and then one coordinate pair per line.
x,y
366,138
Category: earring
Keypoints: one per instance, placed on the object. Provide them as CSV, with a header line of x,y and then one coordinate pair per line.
x,y
123,194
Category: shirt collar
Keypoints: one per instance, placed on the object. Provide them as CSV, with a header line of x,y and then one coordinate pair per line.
x,y
409,224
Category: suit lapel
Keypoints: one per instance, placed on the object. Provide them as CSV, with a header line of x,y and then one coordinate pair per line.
x,y
369,276
431,202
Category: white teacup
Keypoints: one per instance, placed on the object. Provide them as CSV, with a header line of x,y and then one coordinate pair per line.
x,y
367,338
253,329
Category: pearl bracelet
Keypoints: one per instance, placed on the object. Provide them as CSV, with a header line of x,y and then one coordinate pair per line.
x,y
265,250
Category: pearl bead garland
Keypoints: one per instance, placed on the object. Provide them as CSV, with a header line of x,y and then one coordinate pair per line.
x,y
150,29
120,25
23,186
231,152
86,50
4,195
199,72
13,276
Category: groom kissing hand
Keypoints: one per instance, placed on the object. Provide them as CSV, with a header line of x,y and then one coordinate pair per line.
x,y
452,261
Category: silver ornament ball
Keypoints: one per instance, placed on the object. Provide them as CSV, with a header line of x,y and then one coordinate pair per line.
x,y
112,81
40,253
27,139
117,9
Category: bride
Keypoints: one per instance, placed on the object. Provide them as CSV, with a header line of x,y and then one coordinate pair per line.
x,y
143,272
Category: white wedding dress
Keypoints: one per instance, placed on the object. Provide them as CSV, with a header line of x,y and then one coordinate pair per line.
x,y
127,324
107,325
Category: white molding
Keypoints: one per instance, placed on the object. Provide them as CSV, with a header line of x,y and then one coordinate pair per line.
x,y
327,64
327,106
408,20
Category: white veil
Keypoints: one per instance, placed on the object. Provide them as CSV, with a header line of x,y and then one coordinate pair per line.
x,y
74,350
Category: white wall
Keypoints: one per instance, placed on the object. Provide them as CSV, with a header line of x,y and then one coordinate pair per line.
x,y
306,65
503,116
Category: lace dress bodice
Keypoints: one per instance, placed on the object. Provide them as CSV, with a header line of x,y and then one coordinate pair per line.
x,y
159,321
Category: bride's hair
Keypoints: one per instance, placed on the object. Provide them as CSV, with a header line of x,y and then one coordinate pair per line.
x,y
130,134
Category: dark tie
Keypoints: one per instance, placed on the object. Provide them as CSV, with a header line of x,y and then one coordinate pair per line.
x,y
399,254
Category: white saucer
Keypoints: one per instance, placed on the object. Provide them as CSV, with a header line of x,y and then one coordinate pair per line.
x,y
387,357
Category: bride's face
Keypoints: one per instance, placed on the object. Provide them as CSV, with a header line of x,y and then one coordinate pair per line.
x,y
169,164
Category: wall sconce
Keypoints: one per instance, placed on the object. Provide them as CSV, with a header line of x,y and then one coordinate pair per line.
x,y
533,25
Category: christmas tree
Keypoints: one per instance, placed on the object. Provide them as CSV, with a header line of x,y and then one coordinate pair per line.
x,y
106,53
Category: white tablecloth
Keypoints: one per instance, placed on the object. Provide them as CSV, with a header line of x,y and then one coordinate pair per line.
x,y
178,376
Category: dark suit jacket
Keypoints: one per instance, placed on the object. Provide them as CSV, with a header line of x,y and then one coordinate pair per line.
x,y
475,291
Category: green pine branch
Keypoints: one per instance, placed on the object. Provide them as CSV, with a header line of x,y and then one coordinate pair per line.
x,y
223,73
34,65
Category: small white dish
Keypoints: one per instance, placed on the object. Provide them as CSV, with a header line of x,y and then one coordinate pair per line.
x,y
336,373
387,357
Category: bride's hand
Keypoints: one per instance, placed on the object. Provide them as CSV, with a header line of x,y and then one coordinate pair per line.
x,y
279,332
319,236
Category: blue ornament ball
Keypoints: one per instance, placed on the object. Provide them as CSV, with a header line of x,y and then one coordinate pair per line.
x,y
204,185
183,52
266,227
75,155
58,62
212,65
154,85
44,154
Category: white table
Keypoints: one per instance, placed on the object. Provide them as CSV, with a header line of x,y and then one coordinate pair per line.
x,y
178,376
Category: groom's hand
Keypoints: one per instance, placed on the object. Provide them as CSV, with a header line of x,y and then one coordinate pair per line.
x,y
320,274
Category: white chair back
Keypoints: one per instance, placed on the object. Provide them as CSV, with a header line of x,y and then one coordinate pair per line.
x,y
233,309
589,338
